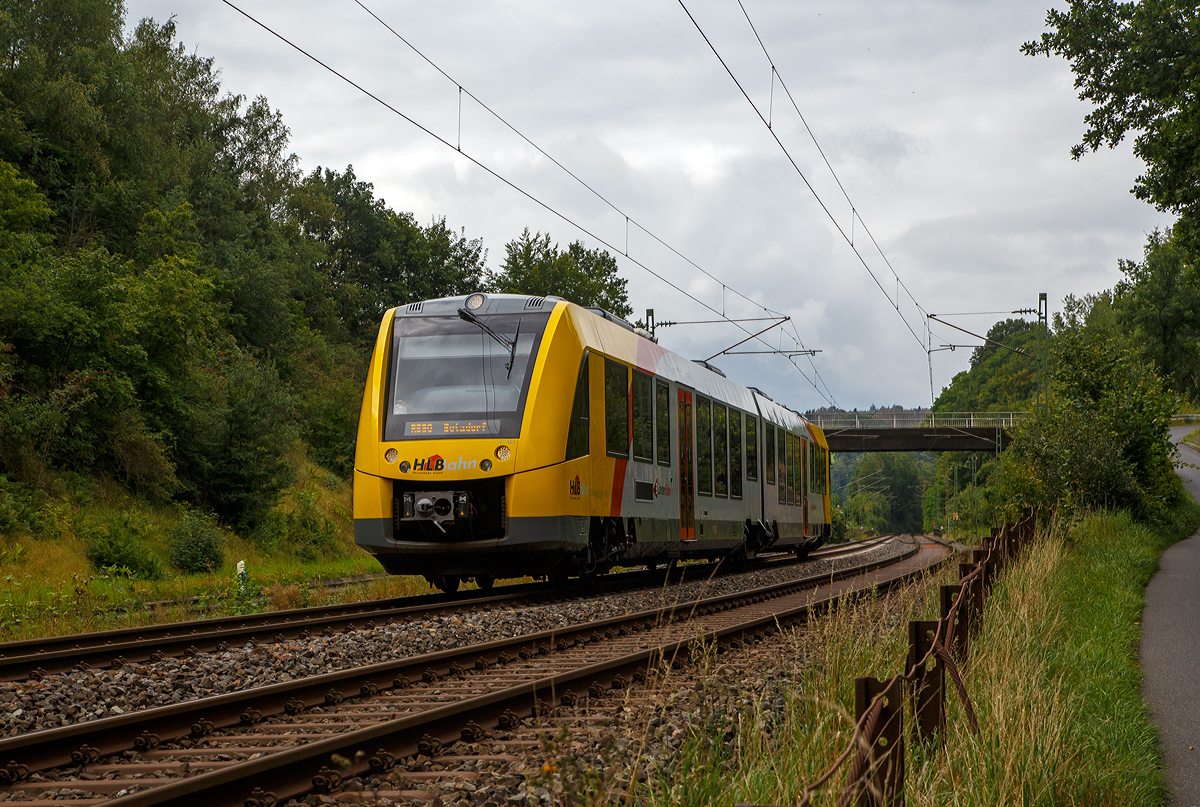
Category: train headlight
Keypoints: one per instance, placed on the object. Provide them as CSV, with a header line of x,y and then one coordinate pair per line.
x,y
404,466
474,301
503,453
486,465
391,455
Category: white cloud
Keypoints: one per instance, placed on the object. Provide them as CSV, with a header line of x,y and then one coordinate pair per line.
x,y
953,146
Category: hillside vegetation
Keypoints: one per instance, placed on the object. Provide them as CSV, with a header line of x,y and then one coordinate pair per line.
x,y
185,315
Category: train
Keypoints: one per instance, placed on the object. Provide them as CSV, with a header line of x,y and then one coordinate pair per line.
x,y
508,436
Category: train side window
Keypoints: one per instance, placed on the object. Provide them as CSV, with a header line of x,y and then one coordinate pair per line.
x,y
769,434
781,464
752,448
814,468
720,450
703,446
805,466
643,417
662,405
577,432
616,408
791,467
735,454
798,457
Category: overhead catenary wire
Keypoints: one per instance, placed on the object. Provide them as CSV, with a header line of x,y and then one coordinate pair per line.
x,y
821,202
629,221
496,175
853,210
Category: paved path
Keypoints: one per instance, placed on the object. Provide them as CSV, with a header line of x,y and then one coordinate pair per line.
x,y
1171,651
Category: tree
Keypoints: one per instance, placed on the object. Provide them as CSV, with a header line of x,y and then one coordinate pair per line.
x,y
1139,64
532,265
885,492
998,379
1105,438
1160,298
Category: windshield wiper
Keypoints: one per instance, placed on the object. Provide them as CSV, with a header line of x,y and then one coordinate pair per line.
x,y
510,344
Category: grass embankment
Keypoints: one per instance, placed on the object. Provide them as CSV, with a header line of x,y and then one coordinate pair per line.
x,y
1193,437
53,581
1053,677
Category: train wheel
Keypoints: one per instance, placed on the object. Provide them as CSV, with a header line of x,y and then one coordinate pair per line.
x,y
485,581
557,577
448,584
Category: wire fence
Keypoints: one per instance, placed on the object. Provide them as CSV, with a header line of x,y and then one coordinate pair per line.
x,y
875,777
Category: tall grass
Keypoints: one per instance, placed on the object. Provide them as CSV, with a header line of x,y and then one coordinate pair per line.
x,y
1053,677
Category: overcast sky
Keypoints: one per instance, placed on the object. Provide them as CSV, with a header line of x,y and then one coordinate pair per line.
x,y
952,146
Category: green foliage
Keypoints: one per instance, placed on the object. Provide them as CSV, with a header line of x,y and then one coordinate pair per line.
x,y
885,492
195,544
998,380
1104,441
236,455
532,265
1138,64
303,533
1159,299
838,525
118,545
178,303
20,507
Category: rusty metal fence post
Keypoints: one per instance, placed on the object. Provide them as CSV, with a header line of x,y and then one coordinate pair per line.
x,y
956,629
927,696
880,780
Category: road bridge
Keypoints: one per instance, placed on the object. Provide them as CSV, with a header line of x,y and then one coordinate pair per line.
x,y
854,432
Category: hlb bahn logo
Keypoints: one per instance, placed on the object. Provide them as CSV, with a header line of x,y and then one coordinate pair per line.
x,y
436,463
575,487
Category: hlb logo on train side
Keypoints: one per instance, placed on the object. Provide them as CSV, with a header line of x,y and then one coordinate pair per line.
x,y
436,463
575,487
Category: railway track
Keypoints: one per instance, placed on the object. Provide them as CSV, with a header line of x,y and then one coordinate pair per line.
x,y
37,658
260,747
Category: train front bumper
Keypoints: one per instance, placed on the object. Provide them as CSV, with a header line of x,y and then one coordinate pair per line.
x,y
532,547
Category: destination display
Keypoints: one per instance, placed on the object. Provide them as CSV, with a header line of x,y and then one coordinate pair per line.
x,y
451,428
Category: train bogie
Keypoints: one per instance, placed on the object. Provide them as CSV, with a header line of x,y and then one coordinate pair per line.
x,y
509,436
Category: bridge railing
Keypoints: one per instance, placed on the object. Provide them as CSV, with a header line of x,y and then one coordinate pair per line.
x,y
914,420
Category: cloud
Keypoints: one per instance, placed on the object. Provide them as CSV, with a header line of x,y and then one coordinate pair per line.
x,y
953,146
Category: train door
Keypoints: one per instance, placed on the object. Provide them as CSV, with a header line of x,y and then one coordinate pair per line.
x,y
687,493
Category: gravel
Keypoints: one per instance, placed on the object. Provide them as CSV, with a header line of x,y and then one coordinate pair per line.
x,y
79,696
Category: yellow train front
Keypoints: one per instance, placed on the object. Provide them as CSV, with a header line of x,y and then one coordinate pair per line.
x,y
510,436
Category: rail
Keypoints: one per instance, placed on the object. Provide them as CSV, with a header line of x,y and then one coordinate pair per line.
x,y
37,658
916,420
522,676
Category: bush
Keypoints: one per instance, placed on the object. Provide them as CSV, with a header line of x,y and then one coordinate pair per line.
x,y
304,533
20,507
310,534
119,544
1103,442
195,544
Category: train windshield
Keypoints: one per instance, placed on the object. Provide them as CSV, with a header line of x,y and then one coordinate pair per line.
x,y
451,378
